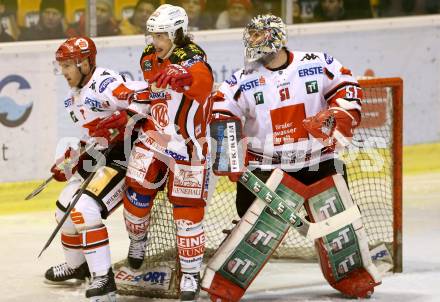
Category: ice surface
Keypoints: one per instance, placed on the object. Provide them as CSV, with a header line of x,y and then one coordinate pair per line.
x,y
23,236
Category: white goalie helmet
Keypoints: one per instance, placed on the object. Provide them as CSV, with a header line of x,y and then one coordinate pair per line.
x,y
168,18
265,34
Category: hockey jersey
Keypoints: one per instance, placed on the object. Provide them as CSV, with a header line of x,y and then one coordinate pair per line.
x,y
273,104
105,92
177,125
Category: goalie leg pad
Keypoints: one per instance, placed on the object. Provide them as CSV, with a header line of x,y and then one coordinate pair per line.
x,y
247,249
344,255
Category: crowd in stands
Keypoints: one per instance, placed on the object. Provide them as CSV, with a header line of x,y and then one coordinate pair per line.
x,y
47,19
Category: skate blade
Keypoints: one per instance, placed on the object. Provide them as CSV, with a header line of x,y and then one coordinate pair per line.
x,y
110,297
67,283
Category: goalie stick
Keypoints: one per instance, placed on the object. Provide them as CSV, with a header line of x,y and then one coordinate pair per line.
x,y
73,203
286,210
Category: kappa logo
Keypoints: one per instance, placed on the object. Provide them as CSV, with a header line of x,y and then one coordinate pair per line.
x,y
159,113
309,57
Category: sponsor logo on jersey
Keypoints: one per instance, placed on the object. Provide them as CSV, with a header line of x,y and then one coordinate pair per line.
x,y
309,57
232,81
104,73
310,71
105,83
159,95
94,105
138,200
13,114
328,59
147,66
312,87
68,102
253,84
188,181
259,98
192,61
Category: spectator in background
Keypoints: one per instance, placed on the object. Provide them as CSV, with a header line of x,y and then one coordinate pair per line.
x,y
8,24
198,18
237,14
50,24
330,10
264,7
135,25
107,25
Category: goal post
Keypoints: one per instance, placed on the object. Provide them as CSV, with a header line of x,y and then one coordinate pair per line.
x,y
374,169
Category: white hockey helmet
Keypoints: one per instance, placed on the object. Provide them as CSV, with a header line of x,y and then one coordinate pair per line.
x,y
265,34
168,18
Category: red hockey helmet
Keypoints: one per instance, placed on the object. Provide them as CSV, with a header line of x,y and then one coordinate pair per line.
x,y
77,48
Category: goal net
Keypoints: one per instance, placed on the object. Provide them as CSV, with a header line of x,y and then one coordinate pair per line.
x,y
374,173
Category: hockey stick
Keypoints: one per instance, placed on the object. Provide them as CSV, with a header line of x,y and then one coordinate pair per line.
x,y
287,212
73,203
42,186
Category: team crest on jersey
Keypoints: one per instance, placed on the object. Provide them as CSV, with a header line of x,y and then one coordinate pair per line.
x,y
105,83
159,113
312,87
147,66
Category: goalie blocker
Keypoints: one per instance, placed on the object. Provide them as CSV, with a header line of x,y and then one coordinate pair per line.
x,y
344,255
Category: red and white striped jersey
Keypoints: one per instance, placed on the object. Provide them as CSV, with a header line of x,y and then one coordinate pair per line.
x,y
178,122
105,92
273,104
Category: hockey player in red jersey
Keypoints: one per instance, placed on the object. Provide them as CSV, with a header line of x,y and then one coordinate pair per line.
x,y
297,108
98,101
172,144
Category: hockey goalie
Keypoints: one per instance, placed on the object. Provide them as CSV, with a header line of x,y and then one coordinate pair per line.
x,y
295,110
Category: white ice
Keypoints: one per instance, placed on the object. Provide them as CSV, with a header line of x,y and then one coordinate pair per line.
x,y
22,237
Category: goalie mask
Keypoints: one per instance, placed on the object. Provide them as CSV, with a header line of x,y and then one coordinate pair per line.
x,y
264,35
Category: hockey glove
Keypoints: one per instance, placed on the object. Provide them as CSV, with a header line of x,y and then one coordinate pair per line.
x,y
333,125
112,128
177,76
67,165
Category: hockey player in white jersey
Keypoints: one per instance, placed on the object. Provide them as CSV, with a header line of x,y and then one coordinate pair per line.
x,y
292,105
98,101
